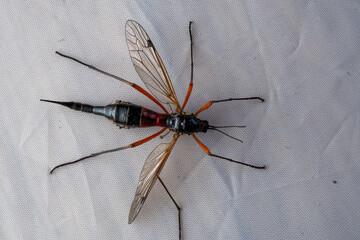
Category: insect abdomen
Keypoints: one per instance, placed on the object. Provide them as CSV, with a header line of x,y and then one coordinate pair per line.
x,y
150,118
128,115
125,115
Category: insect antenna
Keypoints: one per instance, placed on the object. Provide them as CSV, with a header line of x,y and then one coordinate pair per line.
x,y
216,129
212,127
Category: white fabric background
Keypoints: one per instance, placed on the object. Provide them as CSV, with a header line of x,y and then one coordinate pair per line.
x,y
303,57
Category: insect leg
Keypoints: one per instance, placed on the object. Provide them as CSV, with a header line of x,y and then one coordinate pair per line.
x,y
163,136
135,144
207,151
177,206
137,87
192,71
208,104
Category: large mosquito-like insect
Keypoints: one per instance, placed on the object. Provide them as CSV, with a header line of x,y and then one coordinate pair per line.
x,y
152,72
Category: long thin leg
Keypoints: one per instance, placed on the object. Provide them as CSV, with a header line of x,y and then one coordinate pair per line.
x,y
192,71
208,104
207,151
137,87
135,144
177,206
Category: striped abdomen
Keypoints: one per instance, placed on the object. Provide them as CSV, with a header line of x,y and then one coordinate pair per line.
x,y
128,115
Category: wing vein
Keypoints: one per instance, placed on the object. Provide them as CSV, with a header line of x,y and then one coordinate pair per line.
x,y
148,176
148,64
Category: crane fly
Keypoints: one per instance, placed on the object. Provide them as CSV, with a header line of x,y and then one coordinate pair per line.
x,y
152,72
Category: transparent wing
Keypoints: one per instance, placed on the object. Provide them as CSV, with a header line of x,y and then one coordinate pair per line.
x,y
151,170
148,64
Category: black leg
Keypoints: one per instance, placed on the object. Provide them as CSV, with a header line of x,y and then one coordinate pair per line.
x,y
135,144
177,206
191,70
207,151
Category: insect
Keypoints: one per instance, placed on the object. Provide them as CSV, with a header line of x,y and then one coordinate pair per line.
x,y
152,72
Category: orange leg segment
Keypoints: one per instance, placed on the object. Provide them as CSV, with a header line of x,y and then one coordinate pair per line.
x,y
208,104
187,95
140,89
146,93
135,144
207,151
205,148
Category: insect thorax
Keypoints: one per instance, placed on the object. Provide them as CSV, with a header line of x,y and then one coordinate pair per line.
x,y
187,124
